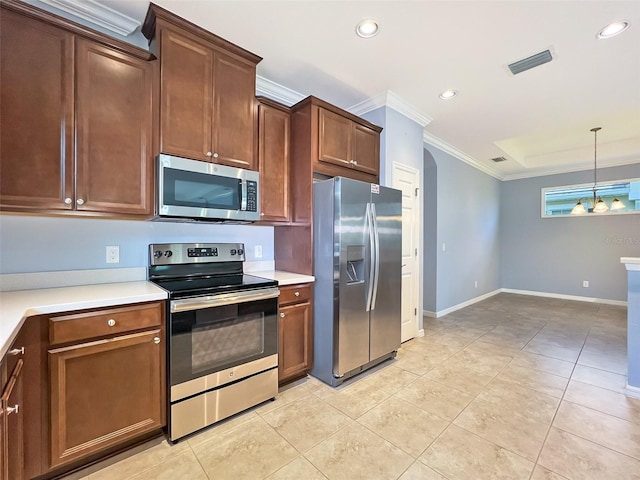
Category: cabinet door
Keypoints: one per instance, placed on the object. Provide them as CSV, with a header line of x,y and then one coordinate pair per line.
x,y
186,84
366,150
234,112
114,131
273,156
104,393
334,142
11,407
295,348
36,114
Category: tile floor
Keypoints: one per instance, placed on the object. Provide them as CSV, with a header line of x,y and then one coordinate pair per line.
x,y
514,387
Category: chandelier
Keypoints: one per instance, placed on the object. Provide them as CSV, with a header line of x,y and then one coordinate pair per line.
x,y
598,205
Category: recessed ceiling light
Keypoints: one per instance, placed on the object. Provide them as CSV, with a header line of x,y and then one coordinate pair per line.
x,y
367,28
448,94
613,29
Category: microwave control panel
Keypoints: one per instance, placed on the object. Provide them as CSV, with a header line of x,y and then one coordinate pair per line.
x,y
252,196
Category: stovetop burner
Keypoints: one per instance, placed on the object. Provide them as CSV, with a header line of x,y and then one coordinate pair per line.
x,y
198,269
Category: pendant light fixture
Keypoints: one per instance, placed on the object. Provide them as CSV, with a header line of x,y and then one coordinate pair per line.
x,y
598,204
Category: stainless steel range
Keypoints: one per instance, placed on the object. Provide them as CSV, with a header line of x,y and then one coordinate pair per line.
x,y
222,331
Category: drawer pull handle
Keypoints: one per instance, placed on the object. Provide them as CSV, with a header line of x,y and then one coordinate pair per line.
x,y
111,322
156,340
14,409
282,315
16,351
297,294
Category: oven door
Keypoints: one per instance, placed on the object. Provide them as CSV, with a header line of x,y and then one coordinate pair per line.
x,y
214,338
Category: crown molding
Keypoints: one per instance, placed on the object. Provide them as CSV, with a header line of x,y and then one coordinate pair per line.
x,y
568,169
277,92
394,101
454,152
98,14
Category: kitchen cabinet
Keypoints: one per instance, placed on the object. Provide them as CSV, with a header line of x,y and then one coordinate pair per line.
x,y
325,142
77,118
106,377
12,425
295,346
207,92
346,144
273,160
336,142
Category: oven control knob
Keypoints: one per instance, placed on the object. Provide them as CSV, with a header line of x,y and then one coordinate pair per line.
x,y
168,253
233,251
157,254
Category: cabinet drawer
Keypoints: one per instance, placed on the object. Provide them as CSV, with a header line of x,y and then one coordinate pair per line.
x,y
104,322
295,294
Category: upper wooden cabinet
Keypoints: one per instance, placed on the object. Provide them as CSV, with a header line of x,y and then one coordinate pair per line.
x,y
341,143
77,118
273,160
207,92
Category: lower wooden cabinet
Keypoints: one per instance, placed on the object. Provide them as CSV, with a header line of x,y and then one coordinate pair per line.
x,y
12,426
295,354
107,391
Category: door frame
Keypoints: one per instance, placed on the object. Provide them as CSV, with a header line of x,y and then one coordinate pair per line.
x,y
396,168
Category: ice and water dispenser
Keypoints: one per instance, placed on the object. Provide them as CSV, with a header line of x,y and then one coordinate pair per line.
x,y
355,264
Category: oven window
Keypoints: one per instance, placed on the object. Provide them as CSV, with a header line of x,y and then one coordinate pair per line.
x,y
200,190
226,342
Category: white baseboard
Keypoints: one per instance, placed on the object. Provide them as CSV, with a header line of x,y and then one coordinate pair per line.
x,y
420,333
577,298
446,311
632,391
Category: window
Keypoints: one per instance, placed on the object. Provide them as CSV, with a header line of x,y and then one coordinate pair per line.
x,y
559,201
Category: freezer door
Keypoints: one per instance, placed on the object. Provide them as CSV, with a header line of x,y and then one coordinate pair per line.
x,y
351,275
386,303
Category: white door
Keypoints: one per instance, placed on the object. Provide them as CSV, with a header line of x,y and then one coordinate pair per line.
x,y
407,179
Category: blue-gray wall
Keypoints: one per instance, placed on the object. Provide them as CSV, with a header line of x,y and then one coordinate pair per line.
x,y
430,232
555,255
41,244
468,223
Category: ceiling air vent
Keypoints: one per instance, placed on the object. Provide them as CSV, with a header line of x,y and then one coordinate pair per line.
x,y
530,62
499,159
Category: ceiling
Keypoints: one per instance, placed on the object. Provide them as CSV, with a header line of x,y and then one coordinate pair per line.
x,y
539,120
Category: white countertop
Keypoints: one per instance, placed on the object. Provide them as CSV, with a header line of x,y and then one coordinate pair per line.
x,y
632,263
284,278
17,305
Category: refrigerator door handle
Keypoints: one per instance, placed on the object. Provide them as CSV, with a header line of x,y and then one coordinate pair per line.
x,y
376,272
369,226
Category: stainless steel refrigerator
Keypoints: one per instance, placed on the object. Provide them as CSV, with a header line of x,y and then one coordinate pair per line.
x,y
357,229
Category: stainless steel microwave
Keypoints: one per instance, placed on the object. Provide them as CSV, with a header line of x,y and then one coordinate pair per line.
x,y
190,189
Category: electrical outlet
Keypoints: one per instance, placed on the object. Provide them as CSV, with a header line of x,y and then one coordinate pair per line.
x,y
113,254
585,283
444,247
476,283
257,251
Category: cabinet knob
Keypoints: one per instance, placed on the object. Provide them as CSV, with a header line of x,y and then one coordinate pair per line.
x,y
111,322
215,155
355,162
282,315
16,351
14,409
262,214
67,201
297,294
80,201
156,340
209,154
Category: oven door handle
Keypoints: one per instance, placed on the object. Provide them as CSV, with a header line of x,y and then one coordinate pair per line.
x,y
219,300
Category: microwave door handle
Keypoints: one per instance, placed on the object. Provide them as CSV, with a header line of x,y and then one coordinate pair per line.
x,y
243,195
